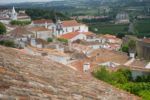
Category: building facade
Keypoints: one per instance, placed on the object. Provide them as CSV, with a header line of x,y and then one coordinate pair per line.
x,y
143,49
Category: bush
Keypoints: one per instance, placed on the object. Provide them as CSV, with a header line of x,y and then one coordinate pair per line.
x,y
120,35
132,45
49,40
62,40
125,48
22,23
7,43
102,74
145,94
122,78
2,28
127,74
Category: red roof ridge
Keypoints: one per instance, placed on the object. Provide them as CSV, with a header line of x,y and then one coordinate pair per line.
x,y
68,23
70,35
40,21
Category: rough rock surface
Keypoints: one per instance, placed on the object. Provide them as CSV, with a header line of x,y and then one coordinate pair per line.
x,y
26,77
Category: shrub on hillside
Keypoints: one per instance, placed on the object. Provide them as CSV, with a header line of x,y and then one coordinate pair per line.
x,y
7,43
22,23
49,40
2,28
62,40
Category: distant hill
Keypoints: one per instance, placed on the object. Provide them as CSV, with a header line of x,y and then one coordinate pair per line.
x,y
77,3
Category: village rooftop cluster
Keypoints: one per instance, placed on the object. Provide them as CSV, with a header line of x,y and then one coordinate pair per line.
x,y
71,43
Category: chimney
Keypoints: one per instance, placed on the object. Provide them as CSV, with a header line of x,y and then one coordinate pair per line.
x,y
86,67
46,26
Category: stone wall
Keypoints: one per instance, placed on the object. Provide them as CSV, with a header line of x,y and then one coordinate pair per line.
x,y
143,50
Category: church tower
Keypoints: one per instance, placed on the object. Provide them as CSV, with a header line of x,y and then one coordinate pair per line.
x,y
13,14
59,28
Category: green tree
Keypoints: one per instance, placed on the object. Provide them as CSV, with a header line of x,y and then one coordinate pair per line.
x,y
7,43
126,72
2,29
120,35
125,48
132,45
22,23
49,40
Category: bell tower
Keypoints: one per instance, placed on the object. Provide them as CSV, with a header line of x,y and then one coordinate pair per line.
x,y
13,14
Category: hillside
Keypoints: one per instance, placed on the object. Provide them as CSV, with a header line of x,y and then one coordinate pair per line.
x,y
30,77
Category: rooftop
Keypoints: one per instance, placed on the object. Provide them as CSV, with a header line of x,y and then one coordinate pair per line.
x,y
147,40
70,35
24,76
19,32
39,29
70,23
42,21
49,51
109,36
104,55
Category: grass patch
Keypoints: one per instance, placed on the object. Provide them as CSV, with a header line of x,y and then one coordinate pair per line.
x,y
143,27
109,28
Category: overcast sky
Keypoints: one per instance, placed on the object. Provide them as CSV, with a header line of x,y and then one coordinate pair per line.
x,y
17,1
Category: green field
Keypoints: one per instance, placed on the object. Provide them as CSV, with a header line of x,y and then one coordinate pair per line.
x,y
143,27
109,28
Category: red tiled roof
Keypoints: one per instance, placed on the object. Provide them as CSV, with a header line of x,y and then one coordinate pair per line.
x,y
39,29
70,35
88,33
19,32
42,21
70,23
146,40
109,36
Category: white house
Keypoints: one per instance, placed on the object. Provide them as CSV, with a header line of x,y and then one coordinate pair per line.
x,y
41,32
110,64
73,36
64,27
82,48
57,56
42,22
110,39
122,18
21,36
38,43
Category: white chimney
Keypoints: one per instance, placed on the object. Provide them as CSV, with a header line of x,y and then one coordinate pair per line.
x,y
46,26
86,67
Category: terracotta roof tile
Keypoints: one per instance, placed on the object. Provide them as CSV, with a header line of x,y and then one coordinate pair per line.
x,y
39,29
73,34
89,33
70,35
146,40
109,36
19,32
70,23
42,21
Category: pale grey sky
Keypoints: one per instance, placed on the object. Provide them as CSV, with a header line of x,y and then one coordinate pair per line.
x,y
17,1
